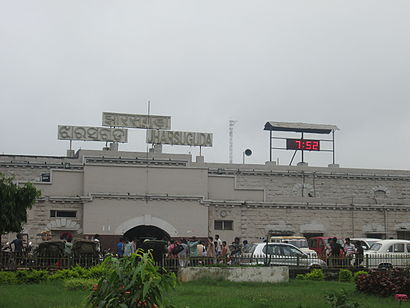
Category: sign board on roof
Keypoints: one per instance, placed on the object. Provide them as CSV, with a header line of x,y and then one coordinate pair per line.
x,y
136,120
90,133
179,138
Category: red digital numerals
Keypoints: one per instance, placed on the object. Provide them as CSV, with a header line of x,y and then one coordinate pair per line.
x,y
302,144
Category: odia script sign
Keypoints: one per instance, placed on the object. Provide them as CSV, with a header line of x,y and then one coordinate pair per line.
x,y
136,120
179,138
90,133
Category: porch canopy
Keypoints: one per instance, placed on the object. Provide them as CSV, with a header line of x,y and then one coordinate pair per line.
x,y
300,127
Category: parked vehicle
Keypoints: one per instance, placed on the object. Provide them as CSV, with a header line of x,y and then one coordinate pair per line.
x,y
50,254
281,254
388,253
320,244
364,242
297,241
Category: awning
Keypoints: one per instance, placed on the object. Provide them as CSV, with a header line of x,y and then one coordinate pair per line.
x,y
300,127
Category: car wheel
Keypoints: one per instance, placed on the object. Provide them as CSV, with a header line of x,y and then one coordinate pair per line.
x,y
385,266
315,266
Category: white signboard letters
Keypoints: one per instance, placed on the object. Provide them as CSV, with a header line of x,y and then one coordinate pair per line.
x,y
179,138
136,120
88,133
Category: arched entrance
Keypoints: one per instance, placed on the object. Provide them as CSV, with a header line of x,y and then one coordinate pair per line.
x,y
141,233
147,226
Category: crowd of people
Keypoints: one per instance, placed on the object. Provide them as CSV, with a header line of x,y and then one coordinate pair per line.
x,y
189,249
339,254
211,248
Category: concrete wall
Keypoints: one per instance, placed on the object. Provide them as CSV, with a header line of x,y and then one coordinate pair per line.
x,y
254,274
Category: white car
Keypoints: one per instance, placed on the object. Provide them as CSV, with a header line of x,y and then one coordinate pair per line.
x,y
387,254
282,254
365,242
298,241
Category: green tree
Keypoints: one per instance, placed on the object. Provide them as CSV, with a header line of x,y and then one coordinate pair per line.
x,y
15,200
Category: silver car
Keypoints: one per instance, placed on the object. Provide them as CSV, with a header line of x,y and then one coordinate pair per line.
x,y
281,254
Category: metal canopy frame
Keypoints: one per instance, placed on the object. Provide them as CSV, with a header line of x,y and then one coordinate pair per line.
x,y
302,128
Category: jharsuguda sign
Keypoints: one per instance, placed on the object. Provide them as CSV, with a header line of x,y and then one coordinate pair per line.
x,y
136,120
179,138
91,133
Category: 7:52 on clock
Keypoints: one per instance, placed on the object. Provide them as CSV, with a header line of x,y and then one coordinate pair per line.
x,y
303,144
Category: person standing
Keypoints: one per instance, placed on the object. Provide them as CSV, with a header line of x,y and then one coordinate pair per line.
x,y
210,251
359,256
236,250
17,243
335,248
349,251
218,246
193,247
127,248
97,240
193,250
201,249
183,254
224,252
120,247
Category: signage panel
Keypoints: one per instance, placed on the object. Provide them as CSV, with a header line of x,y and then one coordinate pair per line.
x,y
89,133
136,120
179,138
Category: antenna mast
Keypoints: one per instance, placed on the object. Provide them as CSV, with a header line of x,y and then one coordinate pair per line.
x,y
231,125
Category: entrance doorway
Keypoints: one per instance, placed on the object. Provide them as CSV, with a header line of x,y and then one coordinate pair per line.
x,y
147,232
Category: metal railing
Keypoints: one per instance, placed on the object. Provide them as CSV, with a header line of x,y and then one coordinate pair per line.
x,y
14,261
22,260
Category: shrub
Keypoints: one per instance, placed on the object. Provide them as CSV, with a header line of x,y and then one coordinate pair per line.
x,y
316,274
8,278
300,276
99,270
358,274
345,275
79,284
133,282
385,282
31,276
340,300
64,274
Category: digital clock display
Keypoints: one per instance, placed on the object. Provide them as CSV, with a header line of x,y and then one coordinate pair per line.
x,y
303,144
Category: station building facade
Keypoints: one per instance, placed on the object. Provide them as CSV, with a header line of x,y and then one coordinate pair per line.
x,y
112,193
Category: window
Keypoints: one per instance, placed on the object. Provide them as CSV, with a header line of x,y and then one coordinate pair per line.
x,y
223,225
271,250
291,251
57,213
396,248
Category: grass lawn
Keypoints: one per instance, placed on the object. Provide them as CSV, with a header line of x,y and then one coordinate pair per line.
x,y
206,293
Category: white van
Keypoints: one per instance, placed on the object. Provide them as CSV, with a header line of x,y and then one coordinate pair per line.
x,y
298,241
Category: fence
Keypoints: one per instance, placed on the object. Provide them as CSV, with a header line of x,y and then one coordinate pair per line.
x,y
23,260
13,261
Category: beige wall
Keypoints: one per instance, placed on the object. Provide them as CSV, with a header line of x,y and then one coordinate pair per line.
x,y
224,188
63,183
142,180
187,217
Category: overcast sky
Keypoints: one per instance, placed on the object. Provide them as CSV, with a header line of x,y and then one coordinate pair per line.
x,y
345,63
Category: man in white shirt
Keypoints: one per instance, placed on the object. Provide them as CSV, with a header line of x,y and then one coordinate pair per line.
x,y
349,251
218,247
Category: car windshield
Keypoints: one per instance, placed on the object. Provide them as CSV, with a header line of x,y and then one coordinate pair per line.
x,y
371,242
300,243
375,246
